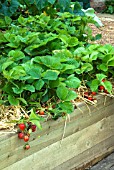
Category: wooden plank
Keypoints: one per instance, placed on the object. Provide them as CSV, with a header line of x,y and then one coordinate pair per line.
x,y
90,157
13,144
76,116
83,107
51,125
73,145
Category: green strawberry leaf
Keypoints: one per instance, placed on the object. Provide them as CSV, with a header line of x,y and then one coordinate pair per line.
x,y
12,100
62,92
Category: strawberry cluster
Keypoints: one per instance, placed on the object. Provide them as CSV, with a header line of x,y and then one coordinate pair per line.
x,y
90,95
25,131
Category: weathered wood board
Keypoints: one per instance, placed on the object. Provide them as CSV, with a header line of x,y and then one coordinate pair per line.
x,y
89,135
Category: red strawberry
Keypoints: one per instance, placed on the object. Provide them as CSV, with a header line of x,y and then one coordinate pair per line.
x,y
41,112
101,88
103,80
86,94
22,126
90,98
20,135
27,146
33,127
26,138
93,93
106,91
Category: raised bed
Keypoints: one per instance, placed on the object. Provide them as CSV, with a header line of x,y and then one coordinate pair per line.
x,y
79,141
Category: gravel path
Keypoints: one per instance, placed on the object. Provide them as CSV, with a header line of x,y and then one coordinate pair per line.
x,y
107,30
105,164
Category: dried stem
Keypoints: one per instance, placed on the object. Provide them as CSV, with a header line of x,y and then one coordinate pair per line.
x,y
63,131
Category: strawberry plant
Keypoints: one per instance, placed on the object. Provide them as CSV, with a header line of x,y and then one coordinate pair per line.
x,y
109,6
45,60
49,61
39,62
84,3
14,8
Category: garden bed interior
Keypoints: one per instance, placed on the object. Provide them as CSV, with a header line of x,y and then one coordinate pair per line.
x,y
78,142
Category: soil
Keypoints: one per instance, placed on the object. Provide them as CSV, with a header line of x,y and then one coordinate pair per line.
x,y
107,30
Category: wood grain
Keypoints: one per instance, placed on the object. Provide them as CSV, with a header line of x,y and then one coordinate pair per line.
x,y
85,133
